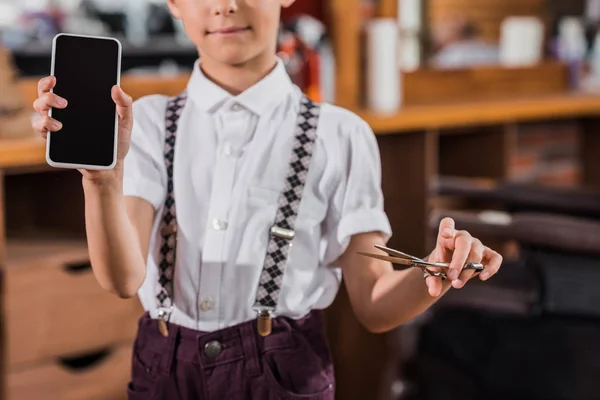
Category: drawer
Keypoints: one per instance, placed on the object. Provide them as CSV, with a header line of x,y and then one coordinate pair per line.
x,y
54,305
95,376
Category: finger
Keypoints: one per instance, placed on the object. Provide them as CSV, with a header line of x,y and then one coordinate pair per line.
x,y
462,249
492,262
476,255
434,286
47,101
445,238
124,103
46,124
45,85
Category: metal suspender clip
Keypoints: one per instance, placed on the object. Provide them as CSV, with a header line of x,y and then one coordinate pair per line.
x,y
264,322
264,314
282,233
163,318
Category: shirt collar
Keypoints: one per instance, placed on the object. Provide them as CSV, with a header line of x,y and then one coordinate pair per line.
x,y
258,98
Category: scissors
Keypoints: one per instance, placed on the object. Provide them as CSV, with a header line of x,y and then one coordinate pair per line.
x,y
403,261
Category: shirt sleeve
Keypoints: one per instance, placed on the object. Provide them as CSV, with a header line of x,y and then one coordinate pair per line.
x,y
144,167
357,205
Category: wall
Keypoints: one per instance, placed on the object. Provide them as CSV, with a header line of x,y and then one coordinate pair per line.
x,y
547,154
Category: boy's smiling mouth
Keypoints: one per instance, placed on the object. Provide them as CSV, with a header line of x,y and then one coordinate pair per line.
x,y
228,31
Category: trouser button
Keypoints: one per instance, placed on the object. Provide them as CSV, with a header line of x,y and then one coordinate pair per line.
x,y
212,349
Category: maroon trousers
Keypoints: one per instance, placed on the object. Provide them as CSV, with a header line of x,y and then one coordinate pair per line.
x,y
294,362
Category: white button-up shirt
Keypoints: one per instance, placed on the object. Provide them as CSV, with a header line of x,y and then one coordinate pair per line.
x,y
231,157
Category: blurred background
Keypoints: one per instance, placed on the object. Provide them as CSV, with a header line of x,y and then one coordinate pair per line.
x,y
484,110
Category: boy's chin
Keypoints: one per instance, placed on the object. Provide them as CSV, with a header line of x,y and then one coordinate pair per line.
x,y
233,56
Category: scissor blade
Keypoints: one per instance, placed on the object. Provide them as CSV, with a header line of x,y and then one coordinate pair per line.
x,y
396,253
403,262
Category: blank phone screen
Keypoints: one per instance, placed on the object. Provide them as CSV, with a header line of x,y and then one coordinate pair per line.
x,y
86,69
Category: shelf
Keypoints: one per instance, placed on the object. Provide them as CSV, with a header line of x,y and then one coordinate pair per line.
x,y
443,116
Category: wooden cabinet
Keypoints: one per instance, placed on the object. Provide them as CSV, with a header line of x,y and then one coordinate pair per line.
x,y
54,305
63,336
101,375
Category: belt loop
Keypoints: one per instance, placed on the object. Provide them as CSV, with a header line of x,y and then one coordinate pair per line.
x,y
250,346
170,351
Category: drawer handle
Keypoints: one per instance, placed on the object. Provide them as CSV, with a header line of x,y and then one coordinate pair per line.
x,y
78,268
84,361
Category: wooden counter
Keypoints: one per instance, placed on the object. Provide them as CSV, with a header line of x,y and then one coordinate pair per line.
x,y
31,152
22,153
443,116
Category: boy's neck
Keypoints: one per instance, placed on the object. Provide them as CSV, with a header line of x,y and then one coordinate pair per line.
x,y
237,78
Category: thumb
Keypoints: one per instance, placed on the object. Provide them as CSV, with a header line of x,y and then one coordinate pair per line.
x,y
434,286
124,104
446,238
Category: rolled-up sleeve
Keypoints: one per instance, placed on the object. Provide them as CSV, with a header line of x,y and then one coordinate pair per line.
x,y
144,167
357,205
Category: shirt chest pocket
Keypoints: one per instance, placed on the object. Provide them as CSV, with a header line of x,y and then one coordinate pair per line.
x,y
260,206
259,210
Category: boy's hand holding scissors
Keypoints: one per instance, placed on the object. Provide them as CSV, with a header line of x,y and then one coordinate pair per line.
x,y
458,248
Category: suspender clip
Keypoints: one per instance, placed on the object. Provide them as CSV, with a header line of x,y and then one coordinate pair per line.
x,y
264,322
282,233
163,318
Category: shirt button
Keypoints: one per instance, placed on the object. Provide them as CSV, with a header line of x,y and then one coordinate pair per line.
x,y
206,304
219,225
228,150
236,107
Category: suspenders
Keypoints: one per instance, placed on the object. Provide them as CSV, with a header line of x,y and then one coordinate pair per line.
x,y
168,226
281,232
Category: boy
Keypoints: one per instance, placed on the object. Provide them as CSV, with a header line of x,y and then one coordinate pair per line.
x,y
231,212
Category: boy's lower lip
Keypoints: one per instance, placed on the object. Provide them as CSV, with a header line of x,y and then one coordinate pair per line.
x,y
231,33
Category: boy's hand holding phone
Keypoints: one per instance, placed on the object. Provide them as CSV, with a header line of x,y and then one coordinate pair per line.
x,y
85,116
46,123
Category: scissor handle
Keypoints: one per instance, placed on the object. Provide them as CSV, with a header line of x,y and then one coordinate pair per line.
x,y
469,265
478,267
473,265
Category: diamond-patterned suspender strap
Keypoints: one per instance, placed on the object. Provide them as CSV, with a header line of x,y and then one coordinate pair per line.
x,y
168,224
282,231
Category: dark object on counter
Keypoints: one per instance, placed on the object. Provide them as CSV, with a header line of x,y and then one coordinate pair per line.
x,y
160,21
34,59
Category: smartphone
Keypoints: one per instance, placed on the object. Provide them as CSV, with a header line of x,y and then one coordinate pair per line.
x,y
86,68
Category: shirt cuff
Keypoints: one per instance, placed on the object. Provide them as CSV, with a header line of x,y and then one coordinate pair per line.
x,y
362,221
144,189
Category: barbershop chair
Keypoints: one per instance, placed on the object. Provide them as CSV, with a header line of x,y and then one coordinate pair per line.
x,y
532,332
